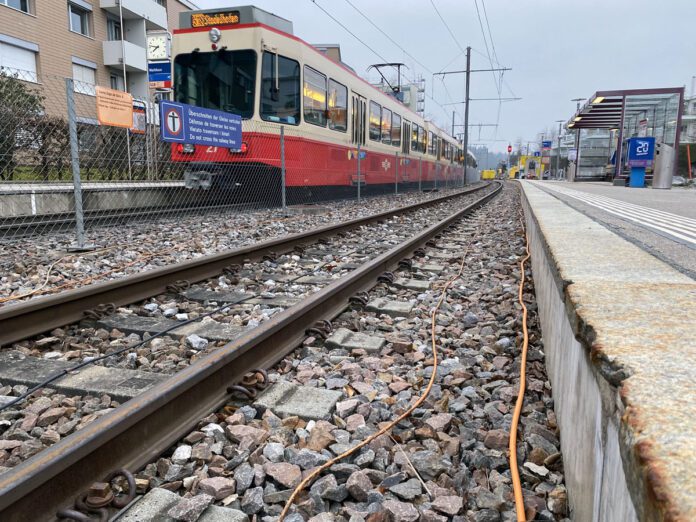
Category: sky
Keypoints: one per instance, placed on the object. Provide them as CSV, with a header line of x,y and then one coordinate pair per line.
x,y
557,50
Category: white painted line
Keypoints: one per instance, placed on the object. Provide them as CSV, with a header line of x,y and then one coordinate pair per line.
x,y
670,224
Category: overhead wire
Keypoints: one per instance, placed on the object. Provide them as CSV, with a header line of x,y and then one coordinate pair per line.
x,y
373,50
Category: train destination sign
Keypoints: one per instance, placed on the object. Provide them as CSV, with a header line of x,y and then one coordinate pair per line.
x,y
210,19
182,123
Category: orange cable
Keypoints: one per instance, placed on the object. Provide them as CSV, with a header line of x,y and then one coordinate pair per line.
x,y
514,471
401,417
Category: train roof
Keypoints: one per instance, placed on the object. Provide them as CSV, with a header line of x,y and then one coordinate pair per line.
x,y
250,15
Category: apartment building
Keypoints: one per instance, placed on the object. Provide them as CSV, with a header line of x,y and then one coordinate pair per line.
x,y
45,41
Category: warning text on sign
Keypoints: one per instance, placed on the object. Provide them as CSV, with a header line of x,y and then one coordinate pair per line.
x,y
182,123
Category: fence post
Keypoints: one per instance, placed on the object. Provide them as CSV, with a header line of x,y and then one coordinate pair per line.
x,y
358,172
436,174
420,173
396,174
75,162
282,168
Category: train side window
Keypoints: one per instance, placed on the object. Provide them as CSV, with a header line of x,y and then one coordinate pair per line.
x,y
280,89
431,143
375,121
421,140
338,106
406,141
414,137
314,97
386,126
396,130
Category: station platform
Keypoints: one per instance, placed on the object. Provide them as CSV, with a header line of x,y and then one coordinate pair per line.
x,y
618,328
662,222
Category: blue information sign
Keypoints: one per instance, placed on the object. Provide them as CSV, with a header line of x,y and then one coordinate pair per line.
x,y
546,144
537,153
159,72
182,123
641,152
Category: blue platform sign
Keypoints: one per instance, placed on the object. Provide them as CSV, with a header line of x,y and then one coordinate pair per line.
x,y
546,144
160,73
641,152
182,123
537,154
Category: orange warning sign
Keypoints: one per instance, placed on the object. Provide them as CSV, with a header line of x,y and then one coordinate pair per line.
x,y
114,108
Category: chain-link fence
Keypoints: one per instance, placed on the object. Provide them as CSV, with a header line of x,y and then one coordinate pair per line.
x,y
61,170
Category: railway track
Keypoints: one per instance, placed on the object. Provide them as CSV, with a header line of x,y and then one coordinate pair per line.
x,y
150,425
26,319
143,428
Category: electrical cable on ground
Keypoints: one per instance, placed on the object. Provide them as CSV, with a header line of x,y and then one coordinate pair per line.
x,y
514,470
309,478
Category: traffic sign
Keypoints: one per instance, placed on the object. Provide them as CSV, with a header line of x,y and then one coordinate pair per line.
x,y
182,123
159,74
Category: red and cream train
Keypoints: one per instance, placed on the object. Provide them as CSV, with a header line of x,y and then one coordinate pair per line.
x,y
247,61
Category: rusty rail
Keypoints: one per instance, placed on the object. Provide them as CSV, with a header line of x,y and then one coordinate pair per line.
x,y
36,316
144,427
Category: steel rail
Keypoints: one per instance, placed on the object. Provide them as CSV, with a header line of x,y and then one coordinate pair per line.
x,y
29,318
144,427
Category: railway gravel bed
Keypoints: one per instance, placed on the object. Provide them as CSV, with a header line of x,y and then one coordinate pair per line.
x,y
213,313
448,461
136,247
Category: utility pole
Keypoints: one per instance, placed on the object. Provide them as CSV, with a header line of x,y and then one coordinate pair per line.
x,y
466,111
452,123
467,100
558,152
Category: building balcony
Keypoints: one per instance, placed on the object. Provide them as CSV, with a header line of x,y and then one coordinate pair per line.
x,y
135,58
155,15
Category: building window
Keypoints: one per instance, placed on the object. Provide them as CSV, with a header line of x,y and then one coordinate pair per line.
x,y
85,79
113,29
314,97
116,82
18,62
79,20
20,5
280,89
163,3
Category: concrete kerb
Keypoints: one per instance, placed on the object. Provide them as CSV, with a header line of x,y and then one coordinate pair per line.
x,y
600,353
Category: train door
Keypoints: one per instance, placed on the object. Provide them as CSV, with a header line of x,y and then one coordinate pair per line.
x,y
358,117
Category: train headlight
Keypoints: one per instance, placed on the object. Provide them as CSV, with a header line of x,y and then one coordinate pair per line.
x,y
186,148
214,35
243,149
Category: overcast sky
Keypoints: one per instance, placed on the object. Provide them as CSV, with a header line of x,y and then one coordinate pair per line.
x,y
557,50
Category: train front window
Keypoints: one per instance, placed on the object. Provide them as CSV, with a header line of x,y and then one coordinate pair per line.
x,y
280,89
223,80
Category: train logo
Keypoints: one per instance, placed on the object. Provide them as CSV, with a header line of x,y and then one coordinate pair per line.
x,y
385,165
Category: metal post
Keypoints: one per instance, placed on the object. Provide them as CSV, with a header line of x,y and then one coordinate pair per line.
x,y
75,162
358,171
466,111
577,155
282,169
436,173
558,152
396,174
125,83
420,173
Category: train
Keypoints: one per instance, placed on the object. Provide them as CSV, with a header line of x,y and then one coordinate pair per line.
x,y
247,61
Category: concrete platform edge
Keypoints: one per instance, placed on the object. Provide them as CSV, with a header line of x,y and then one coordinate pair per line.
x,y
610,473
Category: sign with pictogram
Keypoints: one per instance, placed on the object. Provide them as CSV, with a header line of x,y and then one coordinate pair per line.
x,y
183,123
